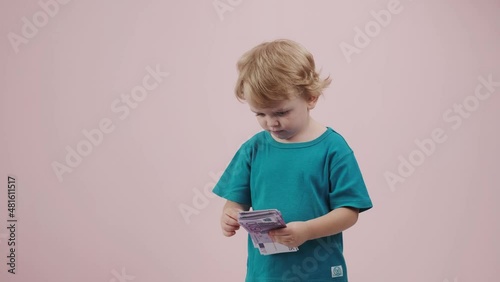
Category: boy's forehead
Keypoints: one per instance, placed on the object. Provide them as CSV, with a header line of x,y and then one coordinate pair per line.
x,y
277,106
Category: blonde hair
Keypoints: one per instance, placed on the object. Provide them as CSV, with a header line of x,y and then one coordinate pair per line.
x,y
275,71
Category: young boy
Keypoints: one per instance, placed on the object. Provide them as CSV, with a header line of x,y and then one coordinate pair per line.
x,y
296,165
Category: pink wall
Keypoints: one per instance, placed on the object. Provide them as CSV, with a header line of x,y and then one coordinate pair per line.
x,y
150,83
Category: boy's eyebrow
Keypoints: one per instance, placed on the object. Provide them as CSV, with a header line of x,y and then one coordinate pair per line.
x,y
284,109
281,110
278,110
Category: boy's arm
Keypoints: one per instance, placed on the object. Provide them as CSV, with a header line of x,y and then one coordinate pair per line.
x,y
296,233
229,220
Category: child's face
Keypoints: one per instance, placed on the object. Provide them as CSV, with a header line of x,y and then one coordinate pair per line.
x,y
286,121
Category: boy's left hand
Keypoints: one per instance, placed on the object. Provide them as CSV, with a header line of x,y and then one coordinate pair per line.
x,y
293,235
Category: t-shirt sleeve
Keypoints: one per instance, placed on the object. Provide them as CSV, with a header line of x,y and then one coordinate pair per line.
x,y
234,184
348,188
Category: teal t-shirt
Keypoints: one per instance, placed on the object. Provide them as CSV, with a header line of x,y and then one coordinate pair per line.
x,y
304,181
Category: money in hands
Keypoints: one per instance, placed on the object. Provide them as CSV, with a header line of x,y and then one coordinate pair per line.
x,y
258,223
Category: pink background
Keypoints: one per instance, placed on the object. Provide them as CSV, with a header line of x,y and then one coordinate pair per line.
x,y
119,210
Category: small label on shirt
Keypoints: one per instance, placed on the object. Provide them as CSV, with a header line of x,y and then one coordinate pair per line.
x,y
337,271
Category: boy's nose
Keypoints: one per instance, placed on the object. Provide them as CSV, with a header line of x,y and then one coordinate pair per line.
x,y
272,122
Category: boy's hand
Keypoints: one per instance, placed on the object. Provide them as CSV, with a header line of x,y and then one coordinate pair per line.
x,y
293,235
229,221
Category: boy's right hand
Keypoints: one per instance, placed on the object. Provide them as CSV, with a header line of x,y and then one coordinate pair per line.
x,y
229,221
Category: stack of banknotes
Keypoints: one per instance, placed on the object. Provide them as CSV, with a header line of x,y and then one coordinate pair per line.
x,y
258,223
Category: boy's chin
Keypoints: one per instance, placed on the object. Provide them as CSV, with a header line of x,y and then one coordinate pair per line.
x,y
282,136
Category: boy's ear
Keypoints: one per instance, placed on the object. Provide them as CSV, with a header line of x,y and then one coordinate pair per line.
x,y
311,103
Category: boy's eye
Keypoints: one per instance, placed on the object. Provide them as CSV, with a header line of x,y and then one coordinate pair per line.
x,y
280,114
259,114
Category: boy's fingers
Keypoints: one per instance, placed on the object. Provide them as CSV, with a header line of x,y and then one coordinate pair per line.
x,y
278,232
232,227
233,213
228,233
230,221
229,228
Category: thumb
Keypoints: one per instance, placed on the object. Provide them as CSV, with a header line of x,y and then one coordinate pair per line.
x,y
277,232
